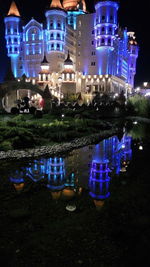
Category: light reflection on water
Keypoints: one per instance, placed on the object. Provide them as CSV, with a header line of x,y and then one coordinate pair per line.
x,y
89,167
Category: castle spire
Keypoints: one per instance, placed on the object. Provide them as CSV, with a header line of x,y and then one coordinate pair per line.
x,y
13,11
56,4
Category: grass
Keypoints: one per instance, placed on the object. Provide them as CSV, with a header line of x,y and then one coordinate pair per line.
x,y
23,131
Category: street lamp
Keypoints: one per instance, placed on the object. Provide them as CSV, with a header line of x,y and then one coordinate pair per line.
x,y
59,85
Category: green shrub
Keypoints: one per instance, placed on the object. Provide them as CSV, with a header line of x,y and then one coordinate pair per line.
x,y
6,145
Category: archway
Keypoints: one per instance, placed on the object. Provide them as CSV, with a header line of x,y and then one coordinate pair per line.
x,y
14,86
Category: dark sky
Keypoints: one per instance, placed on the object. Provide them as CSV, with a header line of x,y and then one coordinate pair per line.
x,y
132,14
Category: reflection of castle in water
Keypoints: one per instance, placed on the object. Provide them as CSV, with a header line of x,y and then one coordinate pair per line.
x,y
85,167
110,154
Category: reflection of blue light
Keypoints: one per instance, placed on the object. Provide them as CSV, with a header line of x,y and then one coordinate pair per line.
x,y
16,180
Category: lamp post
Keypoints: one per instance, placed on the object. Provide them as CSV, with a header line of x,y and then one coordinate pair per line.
x,y
59,85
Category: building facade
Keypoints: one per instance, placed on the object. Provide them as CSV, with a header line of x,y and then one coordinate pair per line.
x,y
103,55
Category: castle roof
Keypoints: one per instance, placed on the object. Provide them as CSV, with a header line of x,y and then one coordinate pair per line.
x,y
56,4
13,11
73,4
44,61
68,60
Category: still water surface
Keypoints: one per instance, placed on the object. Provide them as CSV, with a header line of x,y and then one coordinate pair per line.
x,y
90,168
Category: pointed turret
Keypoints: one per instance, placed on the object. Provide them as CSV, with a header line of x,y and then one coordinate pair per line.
x,y
13,11
56,4
68,60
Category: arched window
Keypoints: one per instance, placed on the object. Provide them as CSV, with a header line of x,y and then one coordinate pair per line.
x,y
103,41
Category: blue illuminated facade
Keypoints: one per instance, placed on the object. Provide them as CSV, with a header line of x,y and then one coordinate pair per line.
x,y
104,56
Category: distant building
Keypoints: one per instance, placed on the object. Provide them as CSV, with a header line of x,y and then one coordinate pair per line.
x,y
102,56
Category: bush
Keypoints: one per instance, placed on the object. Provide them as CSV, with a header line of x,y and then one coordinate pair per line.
x,y
6,145
38,114
32,110
24,139
14,110
140,105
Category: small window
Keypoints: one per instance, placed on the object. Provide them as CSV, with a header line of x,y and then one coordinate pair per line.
x,y
109,41
15,40
111,17
103,17
93,32
52,35
8,30
16,49
103,41
58,25
103,29
92,42
15,30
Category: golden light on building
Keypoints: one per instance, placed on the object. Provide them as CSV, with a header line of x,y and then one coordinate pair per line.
x,y
68,193
56,195
19,187
73,4
56,4
13,11
99,203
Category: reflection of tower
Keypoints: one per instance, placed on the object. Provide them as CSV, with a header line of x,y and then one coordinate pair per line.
x,y
36,170
127,151
69,190
17,179
99,180
56,173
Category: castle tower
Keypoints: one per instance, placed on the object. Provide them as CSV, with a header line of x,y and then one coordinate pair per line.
x,y
56,31
133,50
12,36
69,77
105,26
44,74
74,8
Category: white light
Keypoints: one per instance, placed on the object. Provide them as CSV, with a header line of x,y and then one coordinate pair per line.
x,y
123,169
70,207
123,146
63,115
137,89
44,67
135,122
140,147
145,84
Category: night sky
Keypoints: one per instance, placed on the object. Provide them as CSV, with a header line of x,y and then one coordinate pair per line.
x,y
132,14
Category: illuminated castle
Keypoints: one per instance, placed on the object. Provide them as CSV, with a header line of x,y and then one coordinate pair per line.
x,y
102,57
